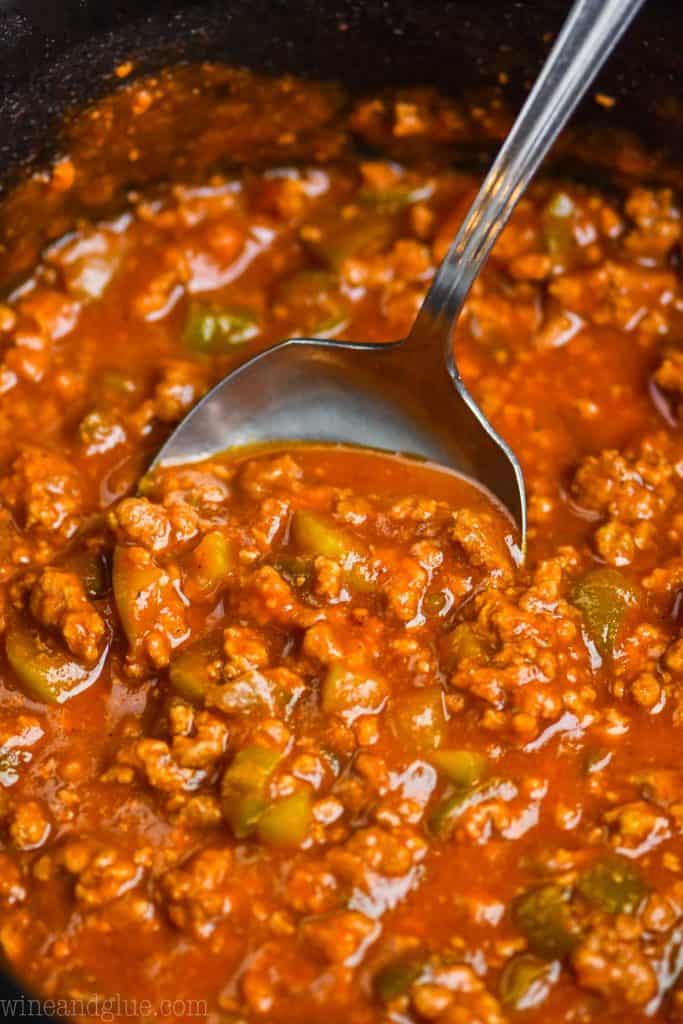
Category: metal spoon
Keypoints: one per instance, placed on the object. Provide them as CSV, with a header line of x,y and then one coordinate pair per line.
x,y
407,396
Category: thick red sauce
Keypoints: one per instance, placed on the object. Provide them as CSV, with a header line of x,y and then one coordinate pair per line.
x,y
335,755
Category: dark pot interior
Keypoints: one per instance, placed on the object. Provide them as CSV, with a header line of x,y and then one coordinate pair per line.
x,y
56,57
53,57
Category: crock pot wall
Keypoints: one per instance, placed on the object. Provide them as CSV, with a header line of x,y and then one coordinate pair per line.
x,y
57,55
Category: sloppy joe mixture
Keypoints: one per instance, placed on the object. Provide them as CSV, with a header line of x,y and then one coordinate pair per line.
x,y
292,736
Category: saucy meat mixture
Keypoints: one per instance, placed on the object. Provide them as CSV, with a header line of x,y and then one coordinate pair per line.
x,y
292,732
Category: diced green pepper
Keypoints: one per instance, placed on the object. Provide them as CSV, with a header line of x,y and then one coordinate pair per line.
x,y
558,228
313,303
296,569
286,822
130,580
604,596
364,235
251,769
144,593
395,979
147,484
44,670
543,915
190,670
242,811
113,385
345,692
613,884
210,563
448,810
451,808
210,329
96,575
93,569
243,788
252,691
419,718
397,196
524,982
461,644
316,534
461,767
360,576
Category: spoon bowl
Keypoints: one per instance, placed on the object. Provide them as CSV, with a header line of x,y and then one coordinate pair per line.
x,y
407,397
387,396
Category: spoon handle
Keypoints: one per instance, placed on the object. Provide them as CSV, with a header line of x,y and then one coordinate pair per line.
x,y
588,36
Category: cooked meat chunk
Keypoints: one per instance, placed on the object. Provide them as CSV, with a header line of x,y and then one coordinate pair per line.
x,y
58,601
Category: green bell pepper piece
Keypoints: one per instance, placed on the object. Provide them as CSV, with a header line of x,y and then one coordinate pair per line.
x,y
315,534
190,670
450,809
286,822
604,596
44,670
314,303
243,788
210,329
419,719
461,767
396,979
543,915
614,884
211,562
345,692
523,982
